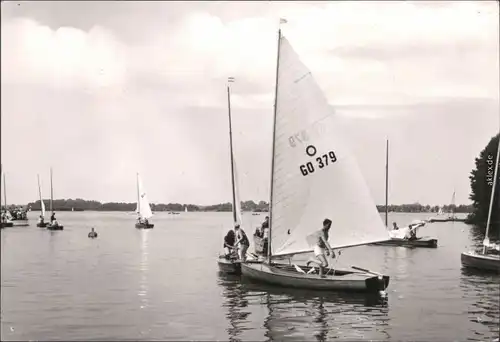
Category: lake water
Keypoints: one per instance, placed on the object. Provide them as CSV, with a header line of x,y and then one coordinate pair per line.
x,y
163,284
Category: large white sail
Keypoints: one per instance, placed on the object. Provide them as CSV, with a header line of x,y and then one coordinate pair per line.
x,y
143,208
315,175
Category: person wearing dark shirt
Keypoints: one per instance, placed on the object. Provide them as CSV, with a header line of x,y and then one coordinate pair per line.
x,y
229,240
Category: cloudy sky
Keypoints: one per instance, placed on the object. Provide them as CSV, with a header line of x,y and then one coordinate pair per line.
x,y
100,91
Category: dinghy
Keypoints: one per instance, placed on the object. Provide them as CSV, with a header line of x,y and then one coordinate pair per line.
x,y
452,217
313,176
41,223
230,263
402,236
53,225
482,260
143,209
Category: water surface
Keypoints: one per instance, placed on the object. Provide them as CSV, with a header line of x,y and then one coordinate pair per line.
x,y
164,284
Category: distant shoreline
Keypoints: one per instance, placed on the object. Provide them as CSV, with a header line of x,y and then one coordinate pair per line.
x,y
246,206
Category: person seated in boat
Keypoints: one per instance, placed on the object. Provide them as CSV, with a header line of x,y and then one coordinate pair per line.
x,y
93,233
40,219
146,222
395,226
229,241
242,240
322,247
413,232
52,217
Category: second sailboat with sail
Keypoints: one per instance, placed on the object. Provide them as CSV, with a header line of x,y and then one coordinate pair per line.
x,y
143,209
54,224
229,262
41,222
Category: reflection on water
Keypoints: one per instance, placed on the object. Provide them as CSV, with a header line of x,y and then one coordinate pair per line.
x,y
298,315
143,267
481,292
234,300
162,284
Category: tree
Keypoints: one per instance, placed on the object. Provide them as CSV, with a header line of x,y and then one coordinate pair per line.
x,y
481,182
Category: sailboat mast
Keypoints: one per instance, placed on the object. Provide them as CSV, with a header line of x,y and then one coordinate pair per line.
x,y
386,180
495,176
452,209
39,193
269,243
231,151
51,192
138,197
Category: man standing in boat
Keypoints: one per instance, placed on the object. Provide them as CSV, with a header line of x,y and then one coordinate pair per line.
x,y
52,218
242,239
322,247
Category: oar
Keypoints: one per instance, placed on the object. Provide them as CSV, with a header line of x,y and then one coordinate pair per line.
x,y
366,271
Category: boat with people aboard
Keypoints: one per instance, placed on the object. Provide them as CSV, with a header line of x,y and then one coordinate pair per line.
x,y
53,224
313,175
143,208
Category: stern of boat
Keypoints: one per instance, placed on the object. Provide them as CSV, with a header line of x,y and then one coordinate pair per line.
x,y
377,284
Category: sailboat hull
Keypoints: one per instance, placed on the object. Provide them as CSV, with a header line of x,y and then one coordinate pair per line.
x,y
42,225
434,220
54,227
144,226
419,242
6,224
20,223
229,266
480,261
288,276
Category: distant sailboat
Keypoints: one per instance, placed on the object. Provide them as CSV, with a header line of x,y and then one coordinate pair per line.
x,y
5,222
53,225
41,223
451,217
313,176
185,209
402,236
143,209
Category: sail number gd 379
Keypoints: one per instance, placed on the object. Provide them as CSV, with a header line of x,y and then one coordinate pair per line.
x,y
320,161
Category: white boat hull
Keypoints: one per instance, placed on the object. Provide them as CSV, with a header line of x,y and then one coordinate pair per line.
x,y
287,276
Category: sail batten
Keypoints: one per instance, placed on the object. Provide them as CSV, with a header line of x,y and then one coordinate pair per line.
x,y
315,175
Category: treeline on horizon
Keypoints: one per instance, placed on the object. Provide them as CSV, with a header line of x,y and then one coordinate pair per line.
x,y
262,206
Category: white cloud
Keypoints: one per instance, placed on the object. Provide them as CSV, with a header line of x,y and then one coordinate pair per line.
x,y
160,98
67,57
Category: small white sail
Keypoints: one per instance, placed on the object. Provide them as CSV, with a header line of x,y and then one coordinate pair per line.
x,y
315,175
185,209
43,208
143,208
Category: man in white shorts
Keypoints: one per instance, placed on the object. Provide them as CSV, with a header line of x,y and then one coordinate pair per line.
x,y
322,247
